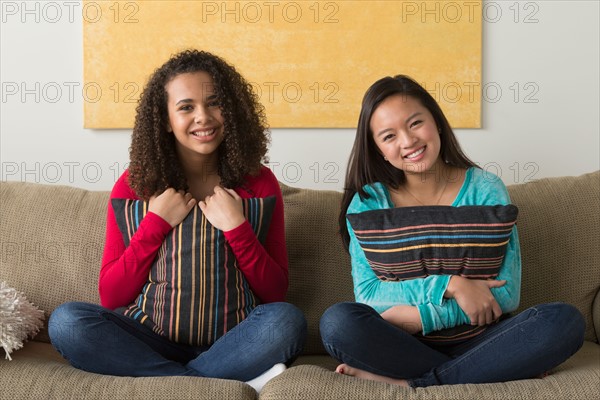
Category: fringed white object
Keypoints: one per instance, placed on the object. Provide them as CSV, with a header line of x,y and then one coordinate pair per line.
x,y
19,319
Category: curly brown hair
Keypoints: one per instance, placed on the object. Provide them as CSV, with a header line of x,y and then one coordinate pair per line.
x,y
154,165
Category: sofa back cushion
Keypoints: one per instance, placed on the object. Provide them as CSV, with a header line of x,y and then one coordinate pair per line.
x,y
559,232
52,239
319,267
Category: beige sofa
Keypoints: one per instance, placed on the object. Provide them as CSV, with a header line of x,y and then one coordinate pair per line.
x,y
52,239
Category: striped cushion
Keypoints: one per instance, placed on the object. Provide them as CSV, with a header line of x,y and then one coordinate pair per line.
x,y
195,293
414,242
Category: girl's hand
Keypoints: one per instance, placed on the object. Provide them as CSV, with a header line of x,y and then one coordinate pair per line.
x,y
475,298
404,317
172,206
223,209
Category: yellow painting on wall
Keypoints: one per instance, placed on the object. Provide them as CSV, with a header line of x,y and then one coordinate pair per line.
x,y
310,62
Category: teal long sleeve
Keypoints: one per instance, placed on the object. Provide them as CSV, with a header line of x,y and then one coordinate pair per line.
x,y
427,294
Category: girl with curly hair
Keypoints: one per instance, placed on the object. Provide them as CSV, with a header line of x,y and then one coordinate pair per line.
x,y
199,138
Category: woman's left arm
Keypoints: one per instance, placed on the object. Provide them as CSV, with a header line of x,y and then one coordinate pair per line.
x,y
509,295
432,317
488,190
492,191
449,314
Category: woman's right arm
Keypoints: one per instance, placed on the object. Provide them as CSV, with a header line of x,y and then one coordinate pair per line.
x,y
368,288
124,270
382,295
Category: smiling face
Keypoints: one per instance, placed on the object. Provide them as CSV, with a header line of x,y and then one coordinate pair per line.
x,y
194,115
406,134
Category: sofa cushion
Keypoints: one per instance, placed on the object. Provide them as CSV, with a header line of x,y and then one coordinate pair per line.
x,y
319,267
52,239
195,291
39,372
415,242
577,378
559,232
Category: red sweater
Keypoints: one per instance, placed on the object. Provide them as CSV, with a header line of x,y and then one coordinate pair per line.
x,y
125,270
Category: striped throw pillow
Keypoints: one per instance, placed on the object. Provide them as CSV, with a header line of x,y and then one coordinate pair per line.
x,y
195,292
414,242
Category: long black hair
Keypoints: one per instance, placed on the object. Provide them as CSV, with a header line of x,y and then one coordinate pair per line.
x,y
366,164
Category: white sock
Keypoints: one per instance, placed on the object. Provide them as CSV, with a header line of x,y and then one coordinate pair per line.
x,y
260,381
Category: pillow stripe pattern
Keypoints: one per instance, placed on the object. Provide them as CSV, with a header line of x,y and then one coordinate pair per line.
x,y
195,292
414,242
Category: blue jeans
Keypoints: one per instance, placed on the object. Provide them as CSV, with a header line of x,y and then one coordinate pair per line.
x,y
96,339
524,346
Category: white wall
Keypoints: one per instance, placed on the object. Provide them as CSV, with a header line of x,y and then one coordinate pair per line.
x,y
546,52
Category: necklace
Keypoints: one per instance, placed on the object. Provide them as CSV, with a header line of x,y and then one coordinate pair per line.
x,y
420,202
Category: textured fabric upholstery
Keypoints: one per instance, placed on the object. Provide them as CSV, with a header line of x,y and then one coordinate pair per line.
x,y
39,372
559,231
52,240
319,266
578,378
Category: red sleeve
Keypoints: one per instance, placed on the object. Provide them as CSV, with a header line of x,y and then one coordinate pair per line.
x,y
124,271
265,267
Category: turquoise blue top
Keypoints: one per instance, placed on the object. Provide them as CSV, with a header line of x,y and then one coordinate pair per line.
x,y
427,294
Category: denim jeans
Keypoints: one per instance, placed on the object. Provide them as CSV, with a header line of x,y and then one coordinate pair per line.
x,y
96,339
523,346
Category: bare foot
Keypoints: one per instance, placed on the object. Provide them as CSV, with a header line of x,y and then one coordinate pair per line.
x,y
345,369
